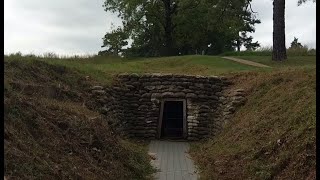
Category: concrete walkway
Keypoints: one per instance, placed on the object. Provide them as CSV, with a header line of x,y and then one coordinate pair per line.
x,y
172,160
250,63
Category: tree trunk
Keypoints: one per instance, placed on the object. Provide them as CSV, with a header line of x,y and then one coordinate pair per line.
x,y
238,45
279,38
169,10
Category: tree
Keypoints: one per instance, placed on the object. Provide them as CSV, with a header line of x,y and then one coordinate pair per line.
x,y
279,40
114,41
279,45
141,18
173,27
295,44
233,20
248,27
248,44
303,1
170,7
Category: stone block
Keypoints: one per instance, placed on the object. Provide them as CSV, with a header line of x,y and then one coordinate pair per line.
x,y
179,95
191,95
146,95
97,88
167,95
98,92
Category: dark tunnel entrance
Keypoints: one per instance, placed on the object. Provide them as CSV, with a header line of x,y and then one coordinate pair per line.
x,y
173,119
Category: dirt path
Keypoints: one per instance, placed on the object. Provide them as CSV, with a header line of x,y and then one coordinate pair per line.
x,y
172,160
251,63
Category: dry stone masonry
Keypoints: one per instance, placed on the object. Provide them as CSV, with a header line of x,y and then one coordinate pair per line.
x,y
133,102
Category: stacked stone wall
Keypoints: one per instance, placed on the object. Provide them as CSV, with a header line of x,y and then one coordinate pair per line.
x,y
133,102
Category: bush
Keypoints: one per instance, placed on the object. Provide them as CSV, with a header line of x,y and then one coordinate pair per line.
x,y
262,51
301,51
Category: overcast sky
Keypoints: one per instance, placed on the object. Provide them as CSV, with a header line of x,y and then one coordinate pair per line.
x,y
72,27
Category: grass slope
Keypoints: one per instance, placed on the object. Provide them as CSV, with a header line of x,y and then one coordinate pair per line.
x,y
291,62
50,134
273,136
46,123
103,68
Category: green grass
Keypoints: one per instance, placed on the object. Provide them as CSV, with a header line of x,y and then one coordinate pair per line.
x,y
267,51
292,61
281,105
248,53
102,69
52,130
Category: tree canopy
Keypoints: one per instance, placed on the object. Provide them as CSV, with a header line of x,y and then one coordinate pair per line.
x,y
303,1
173,27
114,41
295,44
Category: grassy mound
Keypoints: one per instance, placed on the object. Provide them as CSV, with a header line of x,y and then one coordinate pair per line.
x,y
51,134
273,136
103,68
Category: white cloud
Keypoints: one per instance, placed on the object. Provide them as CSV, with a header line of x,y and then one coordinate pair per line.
x,y
300,22
77,26
65,27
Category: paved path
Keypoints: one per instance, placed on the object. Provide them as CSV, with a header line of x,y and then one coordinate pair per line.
x,y
172,160
251,63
